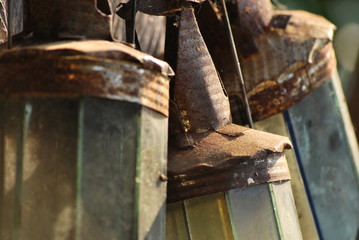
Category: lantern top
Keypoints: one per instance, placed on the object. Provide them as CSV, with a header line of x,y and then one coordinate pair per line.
x,y
86,68
229,157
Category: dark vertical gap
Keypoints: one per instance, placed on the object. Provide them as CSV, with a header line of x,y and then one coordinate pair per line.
x,y
238,67
300,164
171,46
2,162
131,23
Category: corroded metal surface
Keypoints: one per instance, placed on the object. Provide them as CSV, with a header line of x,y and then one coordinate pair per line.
x,y
199,96
208,154
233,157
77,19
90,68
284,55
154,7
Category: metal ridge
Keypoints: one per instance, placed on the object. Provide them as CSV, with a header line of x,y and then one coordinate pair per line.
x,y
57,70
225,159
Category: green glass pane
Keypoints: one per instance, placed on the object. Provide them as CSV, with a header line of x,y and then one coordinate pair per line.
x,y
208,217
10,122
43,195
176,224
328,158
153,162
108,168
88,169
252,213
286,211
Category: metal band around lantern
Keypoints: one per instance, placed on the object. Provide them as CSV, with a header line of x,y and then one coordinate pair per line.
x,y
77,69
228,158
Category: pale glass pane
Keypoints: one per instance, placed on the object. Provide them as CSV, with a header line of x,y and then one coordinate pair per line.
x,y
208,217
276,125
287,213
252,213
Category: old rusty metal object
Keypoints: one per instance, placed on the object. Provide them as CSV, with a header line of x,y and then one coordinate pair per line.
x,y
86,68
202,104
223,161
284,55
76,19
208,153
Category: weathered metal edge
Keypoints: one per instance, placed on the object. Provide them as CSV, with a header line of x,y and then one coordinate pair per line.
x,y
54,74
232,157
97,48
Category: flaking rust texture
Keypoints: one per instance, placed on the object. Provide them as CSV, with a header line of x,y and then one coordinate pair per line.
x,y
200,103
86,68
284,55
207,153
225,159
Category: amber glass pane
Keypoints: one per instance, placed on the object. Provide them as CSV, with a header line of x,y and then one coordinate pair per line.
x,y
208,217
176,222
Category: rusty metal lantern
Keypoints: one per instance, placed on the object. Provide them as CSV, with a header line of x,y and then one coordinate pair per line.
x,y
83,133
289,65
284,55
224,181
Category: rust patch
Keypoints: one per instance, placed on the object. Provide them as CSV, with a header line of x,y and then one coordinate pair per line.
x,y
199,96
284,55
72,70
210,154
220,162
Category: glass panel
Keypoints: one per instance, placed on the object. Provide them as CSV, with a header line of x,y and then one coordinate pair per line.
x,y
153,162
75,176
108,167
46,188
276,125
10,122
287,213
327,161
252,213
208,217
176,222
